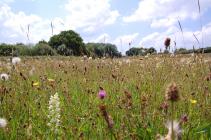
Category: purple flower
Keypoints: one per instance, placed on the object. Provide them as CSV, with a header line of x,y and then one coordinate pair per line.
x,y
102,94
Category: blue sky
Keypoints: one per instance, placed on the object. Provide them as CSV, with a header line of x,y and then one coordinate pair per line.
x,y
145,23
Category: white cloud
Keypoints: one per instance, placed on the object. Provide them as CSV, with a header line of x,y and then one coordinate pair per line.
x,y
164,13
15,26
157,39
103,38
122,42
90,14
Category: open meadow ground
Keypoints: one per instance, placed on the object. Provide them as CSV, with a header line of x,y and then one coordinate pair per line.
x,y
126,98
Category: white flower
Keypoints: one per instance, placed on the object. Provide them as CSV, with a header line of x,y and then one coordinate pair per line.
x,y
172,55
90,58
16,60
54,113
3,122
85,57
192,54
146,56
31,72
176,130
4,76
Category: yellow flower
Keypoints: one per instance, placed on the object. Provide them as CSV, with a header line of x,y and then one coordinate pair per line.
x,y
51,80
36,84
193,101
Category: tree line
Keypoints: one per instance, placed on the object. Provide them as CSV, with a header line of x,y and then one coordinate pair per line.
x,y
69,43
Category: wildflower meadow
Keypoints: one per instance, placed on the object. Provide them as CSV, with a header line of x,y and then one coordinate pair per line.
x,y
155,97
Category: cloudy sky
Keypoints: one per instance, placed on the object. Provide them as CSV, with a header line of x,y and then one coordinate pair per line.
x,y
144,23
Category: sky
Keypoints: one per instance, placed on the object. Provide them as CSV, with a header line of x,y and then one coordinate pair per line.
x,y
141,23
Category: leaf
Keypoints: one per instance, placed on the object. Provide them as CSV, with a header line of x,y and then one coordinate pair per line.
x,y
205,129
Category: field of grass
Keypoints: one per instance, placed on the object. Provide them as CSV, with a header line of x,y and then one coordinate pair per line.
x,y
135,105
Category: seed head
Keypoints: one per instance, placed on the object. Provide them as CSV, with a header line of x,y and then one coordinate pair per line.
x,y
172,92
167,42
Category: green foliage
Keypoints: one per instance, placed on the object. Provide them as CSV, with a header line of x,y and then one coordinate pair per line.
x,y
72,41
140,51
6,49
187,51
42,49
102,50
63,50
18,49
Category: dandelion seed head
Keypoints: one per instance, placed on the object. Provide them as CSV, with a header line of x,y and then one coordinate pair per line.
x,y
4,77
16,60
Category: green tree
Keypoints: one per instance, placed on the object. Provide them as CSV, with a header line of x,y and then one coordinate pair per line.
x,y
136,51
72,41
42,48
151,50
102,49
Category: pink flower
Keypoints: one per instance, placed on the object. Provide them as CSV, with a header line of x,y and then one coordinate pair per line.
x,y
102,93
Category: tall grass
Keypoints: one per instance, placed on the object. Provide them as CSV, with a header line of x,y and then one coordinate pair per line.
x,y
134,103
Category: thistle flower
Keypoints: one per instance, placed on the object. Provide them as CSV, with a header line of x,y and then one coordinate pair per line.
x,y
102,93
172,92
54,113
4,76
16,60
3,123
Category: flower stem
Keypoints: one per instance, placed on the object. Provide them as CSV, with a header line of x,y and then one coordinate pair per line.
x,y
172,120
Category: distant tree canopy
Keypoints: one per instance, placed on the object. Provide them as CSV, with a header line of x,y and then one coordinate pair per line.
x,y
68,43
42,48
187,51
140,51
102,49
17,49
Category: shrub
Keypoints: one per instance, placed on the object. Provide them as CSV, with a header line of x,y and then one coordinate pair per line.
x,y
43,49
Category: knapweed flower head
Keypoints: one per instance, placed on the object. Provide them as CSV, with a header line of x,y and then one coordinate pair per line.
x,y
54,113
102,93
4,76
172,92
167,42
184,118
3,123
16,60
